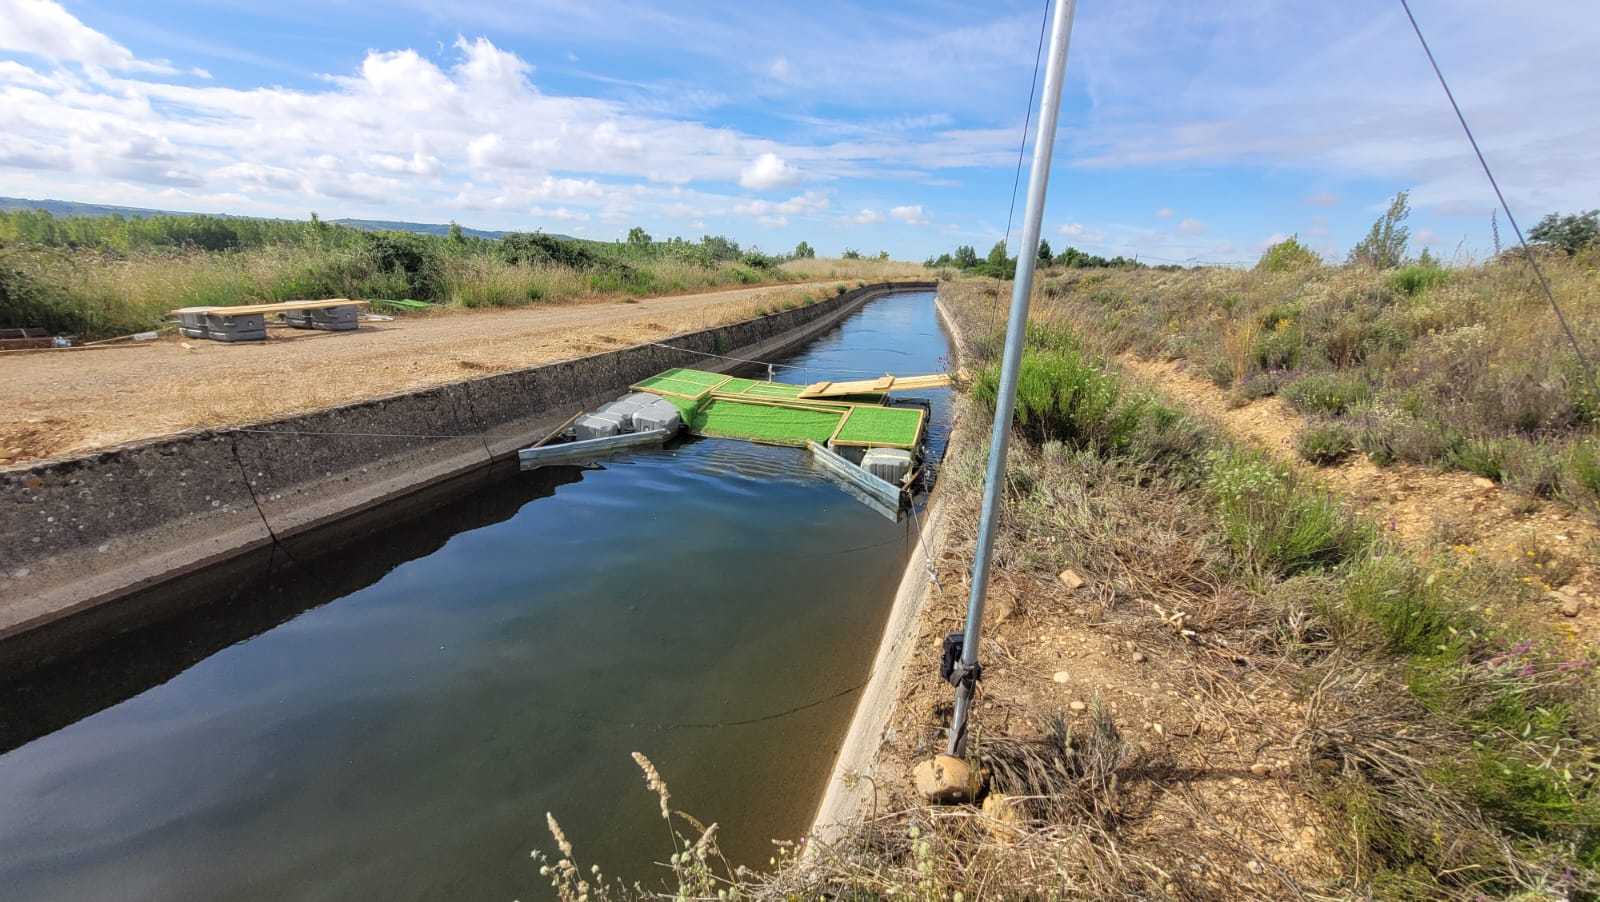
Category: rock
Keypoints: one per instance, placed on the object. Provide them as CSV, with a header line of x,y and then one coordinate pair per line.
x,y
1078,706
1071,580
1483,482
1259,769
1570,608
1570,591
1254,867
1138,657
943,779
1061,676
1003,815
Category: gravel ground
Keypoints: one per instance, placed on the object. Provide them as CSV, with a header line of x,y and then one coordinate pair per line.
x,y
58,403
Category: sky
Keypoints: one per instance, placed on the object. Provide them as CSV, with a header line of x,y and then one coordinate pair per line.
x,y
1194,132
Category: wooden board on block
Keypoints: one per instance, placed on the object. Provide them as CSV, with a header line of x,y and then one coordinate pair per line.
x,y
885,383
279,307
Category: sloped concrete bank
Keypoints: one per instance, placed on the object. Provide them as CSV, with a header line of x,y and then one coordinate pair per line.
x,y
858,769
82,533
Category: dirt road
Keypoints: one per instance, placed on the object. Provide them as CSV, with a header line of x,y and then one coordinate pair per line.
x,y
57,403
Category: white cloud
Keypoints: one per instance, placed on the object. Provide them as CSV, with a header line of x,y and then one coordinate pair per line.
x,y
44,28
1164,213
559,214
809,202
865,217
910,214
780,70
1192,227
768,171
775,222
1077,231
1322,199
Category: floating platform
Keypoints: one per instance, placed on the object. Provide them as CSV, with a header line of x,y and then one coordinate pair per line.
x,y
823,417
778,413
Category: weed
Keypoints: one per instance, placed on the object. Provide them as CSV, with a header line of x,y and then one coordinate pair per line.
x,y
1274,525
1325,443
1329,394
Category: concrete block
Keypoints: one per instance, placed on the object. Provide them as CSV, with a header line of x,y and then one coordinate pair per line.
x,y
889,464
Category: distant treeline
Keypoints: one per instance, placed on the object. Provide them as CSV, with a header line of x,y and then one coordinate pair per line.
x,y
1001,266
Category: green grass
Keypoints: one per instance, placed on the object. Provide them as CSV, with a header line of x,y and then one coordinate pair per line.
x,y
722,418
1275,525
1062,395
896,426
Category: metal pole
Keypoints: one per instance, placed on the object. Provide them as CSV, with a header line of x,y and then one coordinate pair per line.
x,y
965,674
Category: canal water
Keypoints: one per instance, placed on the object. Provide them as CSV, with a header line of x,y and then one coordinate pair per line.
x,y
393,718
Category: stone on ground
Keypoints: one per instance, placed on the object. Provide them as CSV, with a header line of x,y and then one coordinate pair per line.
x,y
943,779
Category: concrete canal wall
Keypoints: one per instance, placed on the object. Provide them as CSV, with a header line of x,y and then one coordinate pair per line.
x,y
83,532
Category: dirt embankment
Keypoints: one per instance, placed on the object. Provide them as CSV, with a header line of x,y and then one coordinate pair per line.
x,y
56,403
1553,546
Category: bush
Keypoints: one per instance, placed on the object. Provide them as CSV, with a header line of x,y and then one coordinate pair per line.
x,y
1329,394
1484,456
1274,525
1580,474
1325,443
1388,435
1288,255
1279,347
1063,396
1417,278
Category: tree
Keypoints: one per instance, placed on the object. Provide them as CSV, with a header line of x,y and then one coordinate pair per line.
x,y
851,254
1570,233
1385,244
883,255
966,257
1044,252
804,251
1288,255
638,237
456,237
997,254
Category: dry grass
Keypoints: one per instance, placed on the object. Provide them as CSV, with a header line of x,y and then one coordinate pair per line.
x,y
865,270
1465,368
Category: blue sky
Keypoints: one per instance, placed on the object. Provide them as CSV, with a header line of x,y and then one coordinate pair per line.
x,y
1195,131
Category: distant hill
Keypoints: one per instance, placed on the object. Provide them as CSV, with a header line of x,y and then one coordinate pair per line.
x,y
69,208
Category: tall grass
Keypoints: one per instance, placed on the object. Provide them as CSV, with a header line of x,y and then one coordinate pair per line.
x,y
1463,367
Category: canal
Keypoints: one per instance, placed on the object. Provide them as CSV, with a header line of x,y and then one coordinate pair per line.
x,y
389,713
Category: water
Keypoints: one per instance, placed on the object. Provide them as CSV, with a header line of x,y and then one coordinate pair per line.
x,y
394,718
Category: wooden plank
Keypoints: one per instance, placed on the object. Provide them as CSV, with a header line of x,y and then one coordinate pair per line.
x,y
871,386
558,430
839,428
278,307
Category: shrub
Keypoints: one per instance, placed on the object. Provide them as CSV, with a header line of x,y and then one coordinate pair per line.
x,y
1063,396
1325,443
1288,255
1580,474
1484,456
1417,278
1330,394
1275,525
1569,233
1279,347
1388,435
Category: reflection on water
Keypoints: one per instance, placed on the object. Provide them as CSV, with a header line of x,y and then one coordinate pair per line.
x,y
391,713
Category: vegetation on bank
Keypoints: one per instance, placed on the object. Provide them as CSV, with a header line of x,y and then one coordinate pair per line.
x,y
106,276
1398,358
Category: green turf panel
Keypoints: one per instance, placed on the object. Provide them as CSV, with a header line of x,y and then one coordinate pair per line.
x,y
700,377
763,422
737,385
778,390
881,426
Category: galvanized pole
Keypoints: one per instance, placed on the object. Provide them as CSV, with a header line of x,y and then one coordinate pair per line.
x,y
965,673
